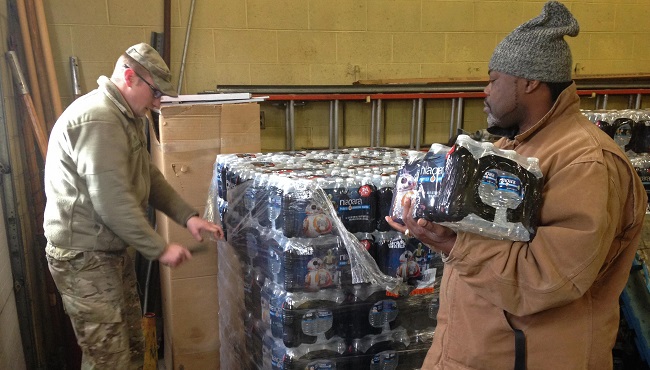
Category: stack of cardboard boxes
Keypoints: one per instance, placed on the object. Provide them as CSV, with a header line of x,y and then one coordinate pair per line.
x,y
184,147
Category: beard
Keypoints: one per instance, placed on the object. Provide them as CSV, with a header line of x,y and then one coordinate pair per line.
x,y
500,127
492,121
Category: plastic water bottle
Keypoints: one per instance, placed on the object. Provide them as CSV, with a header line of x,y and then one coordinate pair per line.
x,y
488,184
508,193
384,201
275,194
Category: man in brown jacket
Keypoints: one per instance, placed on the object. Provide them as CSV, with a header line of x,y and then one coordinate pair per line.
x,y
552,302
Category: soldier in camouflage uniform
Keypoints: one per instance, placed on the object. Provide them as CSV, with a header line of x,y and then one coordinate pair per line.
x,y
99,181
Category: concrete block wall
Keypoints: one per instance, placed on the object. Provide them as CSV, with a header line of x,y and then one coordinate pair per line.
x,y
312,42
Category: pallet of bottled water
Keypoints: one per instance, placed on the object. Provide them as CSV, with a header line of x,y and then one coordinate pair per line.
x,y
311,275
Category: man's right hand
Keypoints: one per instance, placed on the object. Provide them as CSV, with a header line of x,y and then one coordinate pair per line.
x,y
174,255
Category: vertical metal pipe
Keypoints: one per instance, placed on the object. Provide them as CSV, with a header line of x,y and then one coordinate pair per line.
x,y
605,98
372,122
331,130
413,119
630,101
292,125
460,115
287,127
452,118
74,71
187,40
597,102
638,102
379,122
336,124
418,138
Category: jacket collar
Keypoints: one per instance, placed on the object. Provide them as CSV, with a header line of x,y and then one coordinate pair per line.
x,y
111,91
568,102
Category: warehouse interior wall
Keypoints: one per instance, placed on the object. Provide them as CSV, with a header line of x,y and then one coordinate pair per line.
x,y
316,42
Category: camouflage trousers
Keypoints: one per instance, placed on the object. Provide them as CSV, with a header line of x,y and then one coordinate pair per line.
x,y
99,293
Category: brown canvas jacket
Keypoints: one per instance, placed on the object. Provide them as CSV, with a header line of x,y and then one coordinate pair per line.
x,y
561,289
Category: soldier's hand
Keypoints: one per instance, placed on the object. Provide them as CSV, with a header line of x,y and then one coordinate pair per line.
x,y
196,225
174,255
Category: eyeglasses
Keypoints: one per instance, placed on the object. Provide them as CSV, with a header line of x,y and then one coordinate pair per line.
x,y
157,94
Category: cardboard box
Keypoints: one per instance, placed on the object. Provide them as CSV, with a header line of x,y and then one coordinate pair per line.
x,y
190,136
184,146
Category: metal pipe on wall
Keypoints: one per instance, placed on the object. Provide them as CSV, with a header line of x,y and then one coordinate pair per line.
x,y
287,126
420,124
74,72
331,132
378,123
336,124
413,119
292,126
187,40
373,108
451,119
460,114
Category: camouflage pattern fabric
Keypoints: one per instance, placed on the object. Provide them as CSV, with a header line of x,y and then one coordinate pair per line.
x,y
99,293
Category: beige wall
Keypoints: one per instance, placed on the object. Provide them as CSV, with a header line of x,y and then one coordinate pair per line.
x,y
337,42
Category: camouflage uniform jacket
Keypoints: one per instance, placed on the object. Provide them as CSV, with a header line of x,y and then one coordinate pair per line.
x,y
99,179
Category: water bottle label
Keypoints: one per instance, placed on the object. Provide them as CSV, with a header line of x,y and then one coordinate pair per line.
x,y
321,365
489,178
405,187
407,260
357,208
422,255
304,216
510,184
387,360
275,261
315,322
396,248
316,222
318,275
383,312
277,321
323,265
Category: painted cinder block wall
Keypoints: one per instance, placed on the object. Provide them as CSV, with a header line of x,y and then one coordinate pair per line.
x,y
309,42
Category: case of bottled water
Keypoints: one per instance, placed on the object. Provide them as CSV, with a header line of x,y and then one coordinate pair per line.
x,y
473,186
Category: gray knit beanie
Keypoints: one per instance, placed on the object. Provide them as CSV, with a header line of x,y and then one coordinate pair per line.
x,y
536,50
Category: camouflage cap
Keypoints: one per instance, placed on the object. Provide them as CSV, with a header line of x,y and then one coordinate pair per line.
x,y
149,58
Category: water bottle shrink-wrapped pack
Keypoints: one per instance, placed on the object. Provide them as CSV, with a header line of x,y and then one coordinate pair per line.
x,y
475,187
